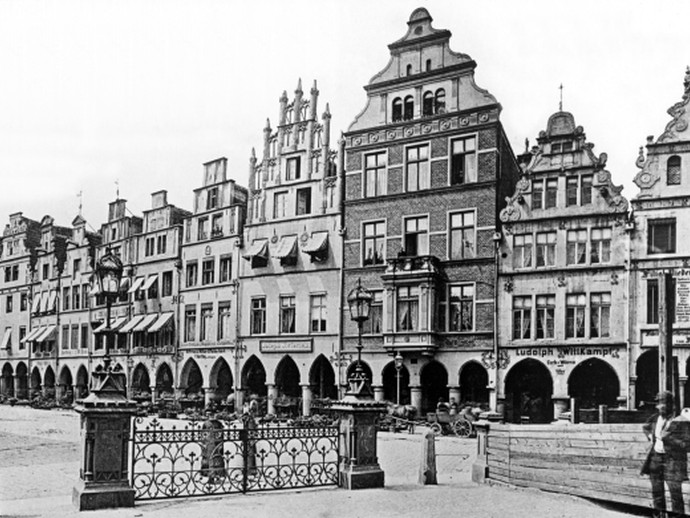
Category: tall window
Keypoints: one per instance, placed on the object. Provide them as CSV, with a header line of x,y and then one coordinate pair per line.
x,y
224,321
440,101
375,323
225,268
23,301
192,273
208,267
462,235
461,308
74,336
600,314
279,204
600,251
463,162
167,283
571,188
205,333
304,201
76,268
375,174
287,314
318,314
150,246
575,315
579,190
84,341
522,251
661,236
258,316
190,323
576,247
9,302
408,308
546,249
673,171
546,309
428,104
551,193
417,168
65,298
162,244
374,241
76,298
212,198
293,168
537,194
652,301
397,109
202,229
408,109
417,236
522,317
585,189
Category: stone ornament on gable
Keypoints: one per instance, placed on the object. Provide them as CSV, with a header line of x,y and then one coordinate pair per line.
x,y
679,113
645,179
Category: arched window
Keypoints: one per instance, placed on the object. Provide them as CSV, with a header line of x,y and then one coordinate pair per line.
x,y
428,104
673,171
428,65
440,101
408,70
408,114
397,109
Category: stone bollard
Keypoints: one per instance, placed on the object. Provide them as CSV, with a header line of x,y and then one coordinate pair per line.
x,y
574,410
480,468
603,414
427,469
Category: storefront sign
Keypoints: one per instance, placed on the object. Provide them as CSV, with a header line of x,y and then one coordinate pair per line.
x,y
681,338
564,352
285,346
683,299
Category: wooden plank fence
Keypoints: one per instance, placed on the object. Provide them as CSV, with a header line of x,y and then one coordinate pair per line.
x,y
600,461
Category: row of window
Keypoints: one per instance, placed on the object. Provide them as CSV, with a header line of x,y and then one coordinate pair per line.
x,y
461,233
578,192
156,245
208,271
302,203
540,250
23,302
199,322
534,316
207,228
463,167
287,314
433,103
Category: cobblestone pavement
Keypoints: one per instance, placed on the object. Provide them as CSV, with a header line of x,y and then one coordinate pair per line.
x,y
39,464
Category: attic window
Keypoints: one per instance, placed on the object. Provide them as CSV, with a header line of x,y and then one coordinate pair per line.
x,y
428,65
561,147
673,171
408,70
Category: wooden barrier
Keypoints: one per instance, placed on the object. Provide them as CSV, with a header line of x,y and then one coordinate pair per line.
x,y
600,461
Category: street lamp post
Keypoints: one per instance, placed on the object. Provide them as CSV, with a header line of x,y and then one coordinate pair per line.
x,y
359,302
108,274
398,359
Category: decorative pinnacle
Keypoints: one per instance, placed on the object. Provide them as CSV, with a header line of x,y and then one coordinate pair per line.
x,y
299,86
327,113
253,154
314,90
686,81
268,125
284,97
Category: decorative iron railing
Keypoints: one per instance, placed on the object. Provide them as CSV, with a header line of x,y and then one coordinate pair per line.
x,y
194,458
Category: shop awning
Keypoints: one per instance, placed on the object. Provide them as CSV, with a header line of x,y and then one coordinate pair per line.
x,y
163,319
47,334
145,323
259,248
317,243
52,300
124,285
149,282
32,334
136,285
6,338
44,302
36,303
131,324
287,247
115,325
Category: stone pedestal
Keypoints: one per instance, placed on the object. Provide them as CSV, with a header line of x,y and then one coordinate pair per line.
x,y
106,415
378,392
359,466
560,405
272,392
416,398
306,400
480,468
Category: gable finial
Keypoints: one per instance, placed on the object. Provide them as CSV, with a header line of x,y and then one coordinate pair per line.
x,y
560,103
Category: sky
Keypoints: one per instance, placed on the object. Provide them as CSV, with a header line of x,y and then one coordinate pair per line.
x,y
133,96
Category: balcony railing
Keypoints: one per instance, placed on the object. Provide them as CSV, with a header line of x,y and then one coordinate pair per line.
x,y
413,263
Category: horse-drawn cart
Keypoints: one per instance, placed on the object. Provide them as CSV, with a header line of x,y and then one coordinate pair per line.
x,y
443,422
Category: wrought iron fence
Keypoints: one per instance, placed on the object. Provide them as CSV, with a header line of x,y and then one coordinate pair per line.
x,y
172,459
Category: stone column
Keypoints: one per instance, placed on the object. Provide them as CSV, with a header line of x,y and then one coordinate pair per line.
x,y
632,393
209,395
154,396
378,392
106,417
306,400
239,400
416,398
59,391
272,396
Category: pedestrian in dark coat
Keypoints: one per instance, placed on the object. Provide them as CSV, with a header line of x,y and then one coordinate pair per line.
x,y
667,457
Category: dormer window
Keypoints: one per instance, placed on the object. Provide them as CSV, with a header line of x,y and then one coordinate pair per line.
x,y
673,171
561,147
408,113
397,109
293,171
212,199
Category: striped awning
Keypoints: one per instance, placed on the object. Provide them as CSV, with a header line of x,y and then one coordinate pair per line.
x,y
114,325
259,248
145,323
286,248
317,243
6,338
136,285
149,282
32,334
131,324
163,319
48,333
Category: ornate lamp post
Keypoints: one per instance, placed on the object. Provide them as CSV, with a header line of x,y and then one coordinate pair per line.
x,y
359,302
108,275
398,367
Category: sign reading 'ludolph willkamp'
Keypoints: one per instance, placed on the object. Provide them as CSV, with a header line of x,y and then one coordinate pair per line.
x,y
576,350
285,346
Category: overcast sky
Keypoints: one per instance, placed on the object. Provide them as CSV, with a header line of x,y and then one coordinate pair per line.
x,y
143,92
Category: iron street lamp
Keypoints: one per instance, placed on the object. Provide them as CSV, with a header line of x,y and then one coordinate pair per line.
x,y
359,303
109,275
398,360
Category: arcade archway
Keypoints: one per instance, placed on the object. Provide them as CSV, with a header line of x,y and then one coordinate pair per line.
x,y
7,384
221,379
594,382
434,380
288,378
82,383
390,384
528,391
192,379
322,379
164,381
647,382
474,384
254,377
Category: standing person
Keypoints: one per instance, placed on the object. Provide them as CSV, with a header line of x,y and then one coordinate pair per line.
x,y
667,457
